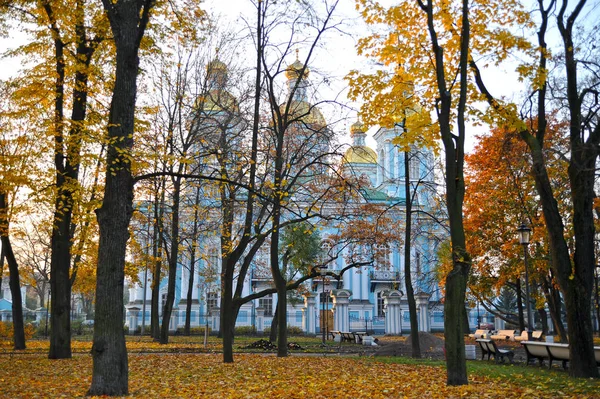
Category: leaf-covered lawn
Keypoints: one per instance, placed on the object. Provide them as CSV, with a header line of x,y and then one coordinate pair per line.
x,y
264,376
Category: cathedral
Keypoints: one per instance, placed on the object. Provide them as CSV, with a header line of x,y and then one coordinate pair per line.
x,y
367,297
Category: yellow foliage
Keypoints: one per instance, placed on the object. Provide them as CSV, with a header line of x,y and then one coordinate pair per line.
x,y
259,376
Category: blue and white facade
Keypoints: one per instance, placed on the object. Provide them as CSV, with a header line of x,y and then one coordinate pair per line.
x,y
366,298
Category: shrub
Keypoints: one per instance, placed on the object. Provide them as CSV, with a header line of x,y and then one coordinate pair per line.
x,y
245,330
199,330
6,330
293,330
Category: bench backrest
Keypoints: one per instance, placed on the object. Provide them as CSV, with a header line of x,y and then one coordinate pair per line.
x,y
509,333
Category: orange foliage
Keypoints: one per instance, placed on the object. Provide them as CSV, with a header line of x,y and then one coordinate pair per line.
x,y
6,331
500,196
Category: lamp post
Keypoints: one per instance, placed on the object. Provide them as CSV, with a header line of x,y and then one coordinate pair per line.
x,y
478,318
323,272
524,235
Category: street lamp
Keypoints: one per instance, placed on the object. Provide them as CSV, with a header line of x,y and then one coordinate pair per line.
x,y
524,235
323,272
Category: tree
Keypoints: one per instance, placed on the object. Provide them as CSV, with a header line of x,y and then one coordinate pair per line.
x,y
16,154
300,250
70,66
438,69
497,173
128,21
576,92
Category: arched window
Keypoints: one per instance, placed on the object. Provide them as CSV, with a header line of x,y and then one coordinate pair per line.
x,y
267,303
380,304
414,165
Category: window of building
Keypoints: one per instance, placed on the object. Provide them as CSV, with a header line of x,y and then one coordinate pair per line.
x,y
212,300
163,299
414,166
266,302
380,304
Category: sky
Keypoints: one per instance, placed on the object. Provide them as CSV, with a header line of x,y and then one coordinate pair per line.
x,y
339,57
335,59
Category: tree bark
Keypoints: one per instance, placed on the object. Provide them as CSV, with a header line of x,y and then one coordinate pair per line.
x,y
520,305
274,326
13,278
110,375
410,295
67,151
173,258
193,248
157,238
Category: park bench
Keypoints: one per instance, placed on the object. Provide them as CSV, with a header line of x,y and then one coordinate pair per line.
x,y
546,350
503,335
332,334
348,336
358,336
551,351
489,348
535,336
480,334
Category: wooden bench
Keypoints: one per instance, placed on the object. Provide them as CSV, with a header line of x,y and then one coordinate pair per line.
x,y
480,334
358,336
546,350
503,335
489,348
332,334
552,351
347,336
535,336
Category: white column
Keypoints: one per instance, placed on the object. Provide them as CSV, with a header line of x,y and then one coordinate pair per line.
x,y
422,300
215,314
393,314
132,293
356,283
341,317
260,319
364,281
309,324
185,280
133,316
196,288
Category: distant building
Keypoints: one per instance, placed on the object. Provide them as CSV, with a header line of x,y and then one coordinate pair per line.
x,y
368,298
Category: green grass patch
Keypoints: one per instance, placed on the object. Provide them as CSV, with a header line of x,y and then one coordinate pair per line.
x,y
556,381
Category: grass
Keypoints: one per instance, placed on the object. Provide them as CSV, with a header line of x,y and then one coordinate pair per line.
x,y
556,380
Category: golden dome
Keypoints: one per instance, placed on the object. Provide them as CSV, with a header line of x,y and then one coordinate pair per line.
x,y
293,70
357,127
216,66
304,111
360,154
217,100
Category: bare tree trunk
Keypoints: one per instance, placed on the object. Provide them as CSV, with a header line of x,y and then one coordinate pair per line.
x,y
110,373
157,238
13,269
193,248
274,326
520,305
173,258
410,295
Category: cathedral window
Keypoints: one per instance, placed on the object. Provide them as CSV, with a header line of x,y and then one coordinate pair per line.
x,y
266,302
211,300
380,304
414,166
